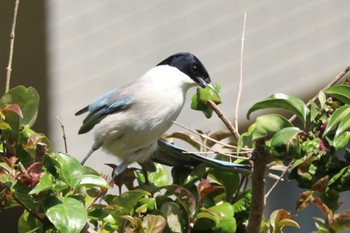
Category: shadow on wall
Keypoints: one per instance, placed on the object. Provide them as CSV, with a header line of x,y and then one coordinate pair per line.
x,y
29,67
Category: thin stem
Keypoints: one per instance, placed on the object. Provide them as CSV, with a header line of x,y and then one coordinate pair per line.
x,y
224,119
64,135
241,73
332,83
204,136
277,181
12,45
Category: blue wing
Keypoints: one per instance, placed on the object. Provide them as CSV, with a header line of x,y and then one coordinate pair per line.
x,y
112,102
171,155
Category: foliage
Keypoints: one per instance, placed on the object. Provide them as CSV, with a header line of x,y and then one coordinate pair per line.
x,y
315,148
58,193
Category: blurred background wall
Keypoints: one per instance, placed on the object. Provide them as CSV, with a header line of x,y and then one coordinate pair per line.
x,y
74,51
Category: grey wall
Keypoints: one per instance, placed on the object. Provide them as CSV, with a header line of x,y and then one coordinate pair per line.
x,y
294,47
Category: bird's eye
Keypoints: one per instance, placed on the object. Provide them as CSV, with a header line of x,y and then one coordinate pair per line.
x,y
195,69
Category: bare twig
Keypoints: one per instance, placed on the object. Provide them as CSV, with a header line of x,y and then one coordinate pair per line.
x,y
12,45
332,83
63,134
204,136
224,119
277,181
241,74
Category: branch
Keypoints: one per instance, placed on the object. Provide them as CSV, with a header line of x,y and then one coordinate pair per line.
x,y
258,186
224,119
63,134
332,83
241,74
12,45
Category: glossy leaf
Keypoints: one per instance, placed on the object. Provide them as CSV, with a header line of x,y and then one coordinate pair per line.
x,y
127,200
184,196
154,223
44,184
344,125
281,142
176,218
68,215
200,99
221,217
160,177
287,102
71,169
340,92
229,180
27,99
89,180
336,118
341,140
29,224
268,125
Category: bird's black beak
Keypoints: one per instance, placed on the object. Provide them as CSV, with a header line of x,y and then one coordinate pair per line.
x,y
203,84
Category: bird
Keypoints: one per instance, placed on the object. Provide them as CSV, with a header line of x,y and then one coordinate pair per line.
x,y
128,121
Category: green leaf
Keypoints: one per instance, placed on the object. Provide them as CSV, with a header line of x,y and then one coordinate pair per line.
x,y
4,125
153,223
338,115
282,142
29,224
229,180
184,196
221,217
246,138
203,95
27,99
341,140
176,219
242,203
287,102
71,169
197,173
340,92
127,200
44,184
89,180
67,215
344,125
268,125
160,177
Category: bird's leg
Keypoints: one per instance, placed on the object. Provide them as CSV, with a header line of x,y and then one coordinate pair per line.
x,y
87,156
118,170
93,149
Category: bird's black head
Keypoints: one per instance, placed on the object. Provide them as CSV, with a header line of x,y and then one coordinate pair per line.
x,y
190,65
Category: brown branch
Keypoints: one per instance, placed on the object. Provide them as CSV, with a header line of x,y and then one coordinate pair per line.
x,y
258,188
63,135
332,83
224,119
12,45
